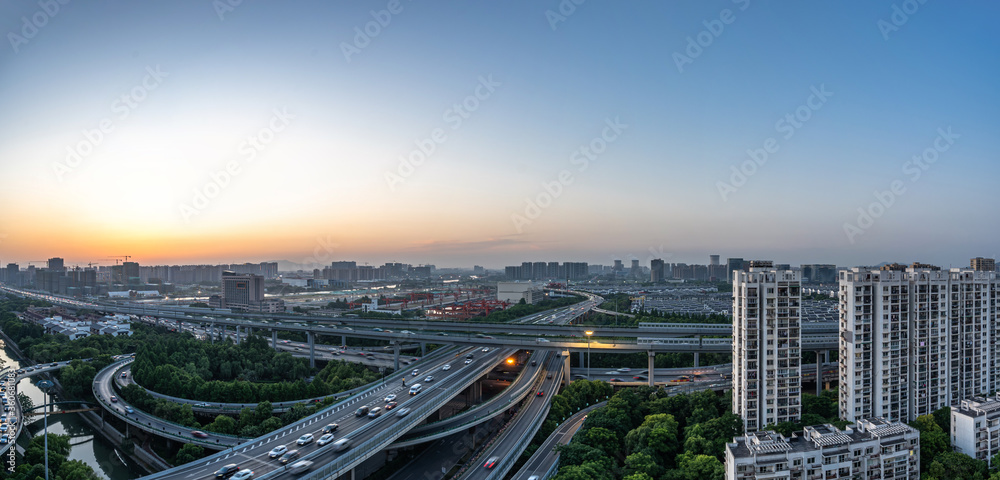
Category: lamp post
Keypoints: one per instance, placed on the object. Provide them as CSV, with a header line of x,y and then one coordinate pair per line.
x,y
44,386
588,333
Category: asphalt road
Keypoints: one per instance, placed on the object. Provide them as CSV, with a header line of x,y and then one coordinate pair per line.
x,y
359,429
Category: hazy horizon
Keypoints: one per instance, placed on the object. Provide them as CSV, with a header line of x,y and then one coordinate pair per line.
x,y
482,133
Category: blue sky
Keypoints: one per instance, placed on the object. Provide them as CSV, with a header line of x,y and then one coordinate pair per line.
x,y
330,175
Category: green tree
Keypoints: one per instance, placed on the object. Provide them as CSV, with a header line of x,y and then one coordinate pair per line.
x,y
700,467
188,453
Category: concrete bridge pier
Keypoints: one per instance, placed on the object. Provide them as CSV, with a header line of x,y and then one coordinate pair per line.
x,y
211,333
237,334
566,370
819,374
312,349
395,356
696,359
423,348
274,339
582,363
652,367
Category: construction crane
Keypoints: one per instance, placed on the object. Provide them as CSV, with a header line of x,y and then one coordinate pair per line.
x,y
117,257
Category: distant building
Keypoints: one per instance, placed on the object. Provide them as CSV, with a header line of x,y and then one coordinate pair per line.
x,y
245,293
514,292
713,260
656,270
983,264
872,449
56,264
733,264
819,273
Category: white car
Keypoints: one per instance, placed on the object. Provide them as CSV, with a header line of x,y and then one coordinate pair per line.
x,y
485,349
277,451
446,367
390,397
305,439
415,372
325,439
245,474
468,361
429,378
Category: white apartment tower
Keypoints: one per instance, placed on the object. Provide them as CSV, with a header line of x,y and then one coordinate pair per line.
x,y
915,339
766,336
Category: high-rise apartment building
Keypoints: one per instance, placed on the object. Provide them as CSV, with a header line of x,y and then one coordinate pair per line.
x,y
713,260
766,348
915,339
56,264
983,264
656,270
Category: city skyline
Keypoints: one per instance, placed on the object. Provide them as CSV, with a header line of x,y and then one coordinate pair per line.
x,y
422,133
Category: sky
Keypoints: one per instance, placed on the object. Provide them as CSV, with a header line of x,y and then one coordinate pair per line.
x,y
491,133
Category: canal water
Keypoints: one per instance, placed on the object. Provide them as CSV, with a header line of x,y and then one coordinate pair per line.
x,y
92,449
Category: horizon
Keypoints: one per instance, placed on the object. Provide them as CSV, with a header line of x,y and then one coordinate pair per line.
x,y
184,133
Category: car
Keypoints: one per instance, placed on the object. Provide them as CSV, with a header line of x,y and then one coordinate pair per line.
x,y
534,362
533,477
277,451
407,332
54,364
300,466
124,374
402,412
361,411
114,399
342,444
305,439
549,375
390,405
468,361
227,471
442,334
624,369
540,393
491,462
375,412
377,329
325,439
616,380
485,349
429,378
390,397
289,456
245,474
415,388
330,428
541,340
129,410
446,367
199,434
639,377
415,372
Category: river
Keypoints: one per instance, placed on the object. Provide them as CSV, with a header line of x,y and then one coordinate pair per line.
x,y
92,449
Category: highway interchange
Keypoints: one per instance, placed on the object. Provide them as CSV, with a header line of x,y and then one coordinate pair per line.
x,y
253,454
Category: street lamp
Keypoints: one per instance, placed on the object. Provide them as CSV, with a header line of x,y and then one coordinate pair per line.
x,y
588,333
44,386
